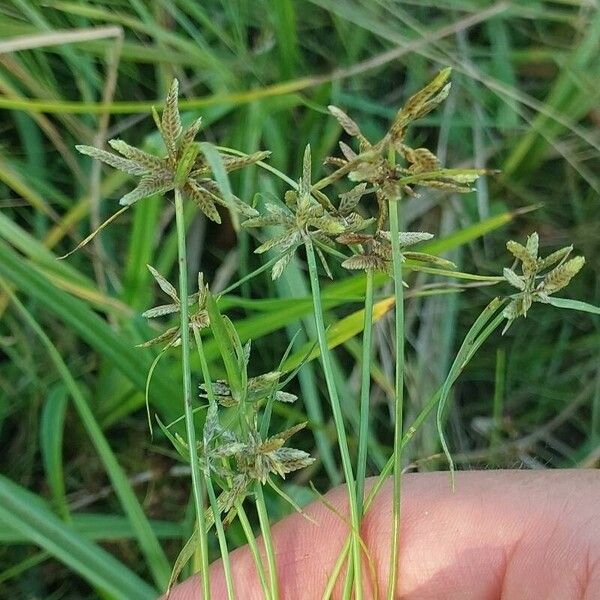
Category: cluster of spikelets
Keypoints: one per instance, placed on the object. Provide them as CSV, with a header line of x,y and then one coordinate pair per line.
x,y
185,166
255,458
186,169
307,216
536,282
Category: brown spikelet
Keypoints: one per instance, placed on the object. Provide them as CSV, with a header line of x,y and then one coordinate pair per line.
x,y
555,257
521,253
560,277
171,121
149,185
361,262
423,160
354,238
203,200
233,163
145,160
349,126
189,135
122,164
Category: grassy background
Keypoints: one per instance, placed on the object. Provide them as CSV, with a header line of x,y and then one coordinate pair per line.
x,y
524,100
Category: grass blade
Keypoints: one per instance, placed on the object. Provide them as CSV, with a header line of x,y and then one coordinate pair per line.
x,y
155,557
28,515
51,439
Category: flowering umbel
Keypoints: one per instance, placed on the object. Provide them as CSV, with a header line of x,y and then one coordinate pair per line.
x,y
371,164
376,250
199,318
535,283
184,167
307,216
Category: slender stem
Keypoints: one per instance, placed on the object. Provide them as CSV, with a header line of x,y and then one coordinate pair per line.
x,y
254,273
498,399
197,484
483,327
222,539
265,529
399,396
469,346
208,482
337,414
365,389
349,578
335,573
245,523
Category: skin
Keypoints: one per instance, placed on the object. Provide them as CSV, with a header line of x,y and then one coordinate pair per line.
x,y
501,535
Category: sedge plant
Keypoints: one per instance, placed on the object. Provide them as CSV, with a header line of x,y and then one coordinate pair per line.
x,y
353,217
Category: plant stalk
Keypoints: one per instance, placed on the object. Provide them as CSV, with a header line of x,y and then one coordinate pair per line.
x,y
222,539
265,529
398,395
337,415
365,389
208,482
245,523
197,484
483,327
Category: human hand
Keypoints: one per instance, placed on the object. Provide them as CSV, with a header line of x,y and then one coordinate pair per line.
x,y
513,535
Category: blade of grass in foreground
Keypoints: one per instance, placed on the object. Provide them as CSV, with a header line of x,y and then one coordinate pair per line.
x,y
36,523
51,441
92,329
155,557
338,418
99,528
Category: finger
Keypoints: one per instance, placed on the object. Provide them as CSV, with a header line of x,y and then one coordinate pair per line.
x,y
501,534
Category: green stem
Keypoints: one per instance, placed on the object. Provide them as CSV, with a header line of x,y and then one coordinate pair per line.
x,y
349,579
249,276
337,413
498,400
483,327
335,573
245,523
197,484
208,482
365,389
265,529
222,539
398,394
471,344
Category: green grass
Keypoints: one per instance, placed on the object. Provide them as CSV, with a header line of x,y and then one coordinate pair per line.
x,y
78,461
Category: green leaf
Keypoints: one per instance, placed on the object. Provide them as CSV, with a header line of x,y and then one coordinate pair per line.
x,y
184,557
153,552
573,305
30,518
117,349
176,440
224,344
99,527
51,438
213,158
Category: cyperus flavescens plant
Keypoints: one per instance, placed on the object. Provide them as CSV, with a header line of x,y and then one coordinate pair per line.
x,y
376,169
536,283
185,170
312,220
237,454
